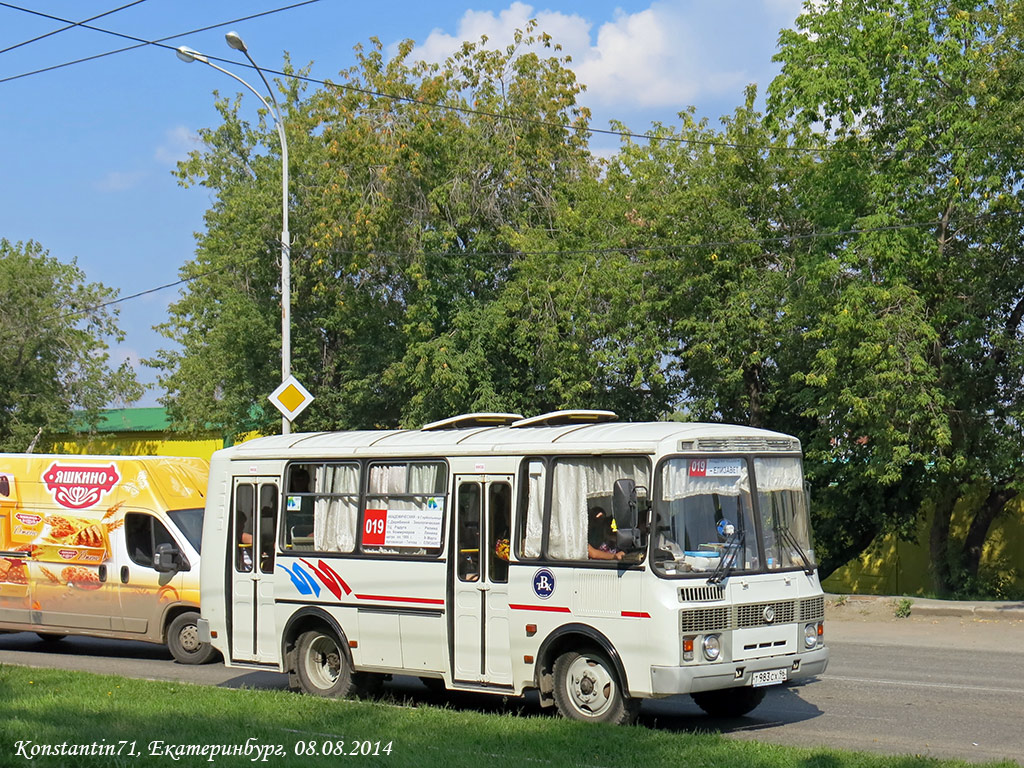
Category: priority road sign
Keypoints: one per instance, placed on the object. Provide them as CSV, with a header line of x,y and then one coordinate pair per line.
x,y
291,398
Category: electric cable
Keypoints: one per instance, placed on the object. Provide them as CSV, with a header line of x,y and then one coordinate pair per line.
x,y
71,25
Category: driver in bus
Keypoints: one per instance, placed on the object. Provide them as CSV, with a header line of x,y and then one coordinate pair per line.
x,y
599,537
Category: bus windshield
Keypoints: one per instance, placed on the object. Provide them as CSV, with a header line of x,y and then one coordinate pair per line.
x,y
704,517
782,503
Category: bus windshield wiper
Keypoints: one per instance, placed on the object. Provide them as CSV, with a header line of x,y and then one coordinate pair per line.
x,y
727,561
790,537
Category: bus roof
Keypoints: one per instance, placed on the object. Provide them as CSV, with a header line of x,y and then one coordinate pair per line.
x,y
579,438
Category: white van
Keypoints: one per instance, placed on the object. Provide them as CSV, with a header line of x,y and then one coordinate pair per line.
x,y
106,546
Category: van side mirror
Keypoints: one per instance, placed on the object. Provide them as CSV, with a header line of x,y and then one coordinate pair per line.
x,y
168,559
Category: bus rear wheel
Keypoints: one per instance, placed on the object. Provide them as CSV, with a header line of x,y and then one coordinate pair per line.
x,y
324,669
586,687
729,702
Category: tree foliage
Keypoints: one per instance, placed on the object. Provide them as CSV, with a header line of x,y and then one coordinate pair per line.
x,y
921,376
54,336
844,266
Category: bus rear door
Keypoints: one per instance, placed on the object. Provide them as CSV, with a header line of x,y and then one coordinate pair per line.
x,y
479,578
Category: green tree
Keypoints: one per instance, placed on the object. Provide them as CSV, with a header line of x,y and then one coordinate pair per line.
x,y
421,227
916,373
54,335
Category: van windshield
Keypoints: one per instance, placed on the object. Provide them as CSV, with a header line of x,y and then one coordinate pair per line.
x,y
190,523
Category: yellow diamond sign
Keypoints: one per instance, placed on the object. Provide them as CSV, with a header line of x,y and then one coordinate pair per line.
x,y
291,398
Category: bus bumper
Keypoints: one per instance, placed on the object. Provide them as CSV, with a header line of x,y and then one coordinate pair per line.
x,y
668,681
203,627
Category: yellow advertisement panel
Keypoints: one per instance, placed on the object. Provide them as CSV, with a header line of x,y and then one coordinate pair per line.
x,y
58,518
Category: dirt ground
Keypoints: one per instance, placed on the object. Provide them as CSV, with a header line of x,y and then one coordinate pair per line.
x,y
873,620
858,608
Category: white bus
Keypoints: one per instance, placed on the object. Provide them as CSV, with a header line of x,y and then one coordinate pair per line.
x,y
599,563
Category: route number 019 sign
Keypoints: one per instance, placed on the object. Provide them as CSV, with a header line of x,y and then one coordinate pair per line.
x,y
403,527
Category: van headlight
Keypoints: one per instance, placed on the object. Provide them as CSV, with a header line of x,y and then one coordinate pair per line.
x,y
810,635
712,646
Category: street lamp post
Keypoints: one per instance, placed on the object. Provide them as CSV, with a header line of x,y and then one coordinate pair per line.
x,y
234,41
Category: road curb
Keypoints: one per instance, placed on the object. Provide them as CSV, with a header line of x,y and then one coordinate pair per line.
x,y
925,606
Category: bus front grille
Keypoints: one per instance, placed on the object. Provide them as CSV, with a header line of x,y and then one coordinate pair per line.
x,y
705,620
812,608
761,614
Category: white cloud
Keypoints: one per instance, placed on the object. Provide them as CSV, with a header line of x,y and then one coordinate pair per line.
x,y
177,143
667,55
120,181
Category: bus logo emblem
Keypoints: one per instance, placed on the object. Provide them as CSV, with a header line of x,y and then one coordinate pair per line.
x,y
769,614
543,583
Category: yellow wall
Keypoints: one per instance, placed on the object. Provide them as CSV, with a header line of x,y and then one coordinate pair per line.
x,y
139,444
892,567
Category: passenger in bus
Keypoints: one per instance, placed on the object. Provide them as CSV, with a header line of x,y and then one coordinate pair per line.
x,y
599,537
245,545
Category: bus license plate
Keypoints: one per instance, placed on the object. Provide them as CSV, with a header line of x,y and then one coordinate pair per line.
x,y
769,677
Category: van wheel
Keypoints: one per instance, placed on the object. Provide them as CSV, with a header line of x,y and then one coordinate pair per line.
x,y
588,688
729,702
50,637
322,665
183,640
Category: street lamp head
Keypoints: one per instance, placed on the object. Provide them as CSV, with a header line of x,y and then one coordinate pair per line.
x,y
188,55
235,41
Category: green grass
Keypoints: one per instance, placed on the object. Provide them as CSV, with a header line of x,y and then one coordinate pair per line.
x,y
52,707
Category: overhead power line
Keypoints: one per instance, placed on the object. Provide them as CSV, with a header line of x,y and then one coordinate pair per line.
x,y
585,251
140,42
70,25
161,43
96,307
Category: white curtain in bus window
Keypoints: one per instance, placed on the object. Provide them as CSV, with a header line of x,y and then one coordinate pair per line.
x,y
579,485
697,477
337,503
778,474
534,511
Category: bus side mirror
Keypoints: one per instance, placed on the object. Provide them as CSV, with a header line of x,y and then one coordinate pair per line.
x,y
625,515
624,504
167,559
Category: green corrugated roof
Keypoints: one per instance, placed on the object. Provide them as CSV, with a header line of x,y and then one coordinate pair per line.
x,y
129,420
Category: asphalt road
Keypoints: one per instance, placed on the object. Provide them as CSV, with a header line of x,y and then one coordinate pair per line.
x,y
940,687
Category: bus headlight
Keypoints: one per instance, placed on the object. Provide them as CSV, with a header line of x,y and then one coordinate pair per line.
x,y
810,635
712,647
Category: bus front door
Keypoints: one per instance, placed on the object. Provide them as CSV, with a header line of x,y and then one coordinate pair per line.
x,y
253,532
479,579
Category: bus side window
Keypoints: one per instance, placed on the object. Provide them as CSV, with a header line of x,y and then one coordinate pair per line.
x,y
245,509
499,504
531,511
268,526
469,532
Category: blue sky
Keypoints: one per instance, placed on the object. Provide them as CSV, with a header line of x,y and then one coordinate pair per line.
x,y
86,151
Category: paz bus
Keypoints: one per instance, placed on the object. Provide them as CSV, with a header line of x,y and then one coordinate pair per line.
x,y
595,562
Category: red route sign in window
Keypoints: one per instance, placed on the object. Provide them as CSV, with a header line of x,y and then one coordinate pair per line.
x,y
375,523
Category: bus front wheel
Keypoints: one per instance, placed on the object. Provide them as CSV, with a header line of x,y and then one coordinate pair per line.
x,y
729,702
586,687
